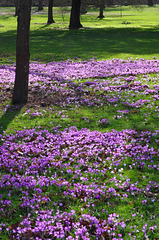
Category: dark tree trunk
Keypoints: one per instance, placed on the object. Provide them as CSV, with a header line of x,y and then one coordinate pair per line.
x,y
150,3
20,94
40,5
102,6
75,15
50,12
16,2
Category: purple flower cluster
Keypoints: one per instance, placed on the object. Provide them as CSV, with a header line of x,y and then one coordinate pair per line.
x,y
38,166
103,122
56,82
69,70
49,174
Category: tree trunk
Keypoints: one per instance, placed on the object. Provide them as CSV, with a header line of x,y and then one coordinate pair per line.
x,y
75,15
50,12
150,3
40,5
16,3
20,94
102,6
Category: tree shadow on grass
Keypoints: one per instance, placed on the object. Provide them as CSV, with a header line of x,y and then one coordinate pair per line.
x,y
10,113
87,43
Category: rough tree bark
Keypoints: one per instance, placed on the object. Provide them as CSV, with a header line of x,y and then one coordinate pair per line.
x,y
150,3
50,12
20,93
40,5
75,15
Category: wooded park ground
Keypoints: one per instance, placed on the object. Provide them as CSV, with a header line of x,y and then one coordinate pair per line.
x,y
80,159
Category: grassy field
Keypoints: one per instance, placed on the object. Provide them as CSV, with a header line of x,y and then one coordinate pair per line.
x,y
134,34
80,159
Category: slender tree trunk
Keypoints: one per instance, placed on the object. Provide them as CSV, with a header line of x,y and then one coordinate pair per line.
x,y
16,2
20,94
102,6
40,5
150,3
75,15
50,12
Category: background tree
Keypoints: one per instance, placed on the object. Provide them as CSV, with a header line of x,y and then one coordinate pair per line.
x,y
83,7
150,3
101,4
110,3
101,8
40,5
133,3
75,15
16,3
20,93
50,12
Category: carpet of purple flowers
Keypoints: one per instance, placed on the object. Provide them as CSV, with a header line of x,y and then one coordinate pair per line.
x,y
60,83
71,184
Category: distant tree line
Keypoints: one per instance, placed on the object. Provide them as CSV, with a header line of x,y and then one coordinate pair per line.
x,y
92,2
80,7
60,3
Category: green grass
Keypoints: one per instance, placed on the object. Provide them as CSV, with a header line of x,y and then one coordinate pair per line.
x,y
110,37
104,39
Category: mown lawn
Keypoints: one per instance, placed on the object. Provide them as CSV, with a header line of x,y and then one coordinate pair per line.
x,y
135,34
80,159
